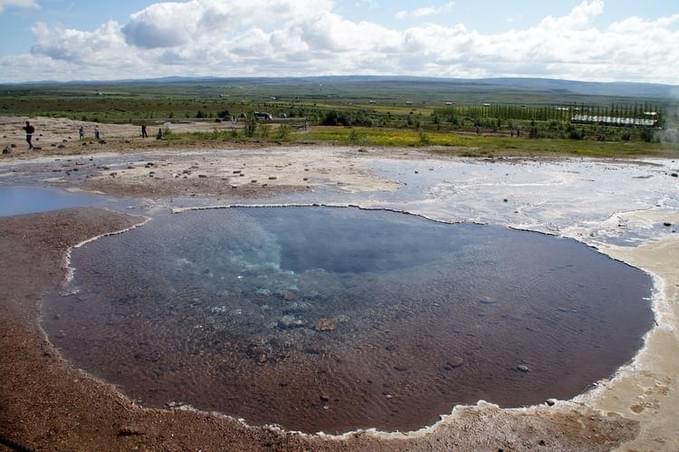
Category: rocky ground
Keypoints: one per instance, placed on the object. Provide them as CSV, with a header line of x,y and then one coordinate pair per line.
x,y
60,135
47,405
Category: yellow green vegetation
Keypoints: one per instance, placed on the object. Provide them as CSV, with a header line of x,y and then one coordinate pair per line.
x,y
439,142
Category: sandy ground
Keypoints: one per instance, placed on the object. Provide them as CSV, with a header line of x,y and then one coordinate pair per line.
x,y
47,405
54,135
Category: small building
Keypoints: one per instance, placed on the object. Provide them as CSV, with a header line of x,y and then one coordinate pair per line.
x,y
614,121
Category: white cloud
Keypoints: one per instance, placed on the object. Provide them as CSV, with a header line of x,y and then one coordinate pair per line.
x,y
18,3
425,11
308,37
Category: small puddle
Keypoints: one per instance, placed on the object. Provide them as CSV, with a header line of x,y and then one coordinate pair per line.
x,y
17,200
322,319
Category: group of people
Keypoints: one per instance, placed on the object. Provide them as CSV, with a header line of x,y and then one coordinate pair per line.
x,y
97,133
30,131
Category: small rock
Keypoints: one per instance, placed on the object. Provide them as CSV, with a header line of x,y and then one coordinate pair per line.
x,y
129,431
325,325
273,178
7,149
666,224
522,368
175,404
289,295
674,175
487,301
454,363
551,402
202,176
505,200
325,397
61,146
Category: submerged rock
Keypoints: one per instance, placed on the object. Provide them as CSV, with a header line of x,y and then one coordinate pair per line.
x,y
296,308
325,325
487,301
289,322
454,363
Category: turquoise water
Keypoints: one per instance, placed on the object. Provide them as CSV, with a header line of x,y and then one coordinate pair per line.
x,y
336,319
22,200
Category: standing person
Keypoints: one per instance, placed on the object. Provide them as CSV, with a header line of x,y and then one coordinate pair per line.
x,y
81,132
30,130
143,131
97,135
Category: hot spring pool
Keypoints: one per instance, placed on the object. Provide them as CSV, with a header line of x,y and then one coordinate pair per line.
x,y
335,319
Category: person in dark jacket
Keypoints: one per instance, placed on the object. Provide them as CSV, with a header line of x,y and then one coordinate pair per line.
x,y
30,130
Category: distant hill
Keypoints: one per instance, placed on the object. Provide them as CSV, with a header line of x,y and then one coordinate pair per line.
x,y
626,89
390,89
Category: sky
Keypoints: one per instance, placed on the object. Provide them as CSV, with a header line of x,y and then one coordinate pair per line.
x,y
597,40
